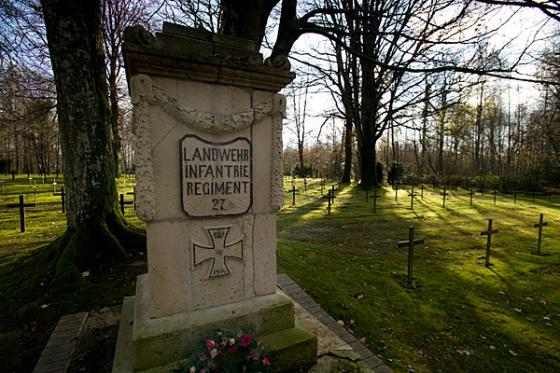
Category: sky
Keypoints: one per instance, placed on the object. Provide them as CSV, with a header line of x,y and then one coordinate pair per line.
x,y
527,27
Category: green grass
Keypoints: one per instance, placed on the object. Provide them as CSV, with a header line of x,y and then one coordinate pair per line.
x,y
30,308
462,316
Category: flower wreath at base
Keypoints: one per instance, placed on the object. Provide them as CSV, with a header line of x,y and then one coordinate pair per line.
x,y
228,352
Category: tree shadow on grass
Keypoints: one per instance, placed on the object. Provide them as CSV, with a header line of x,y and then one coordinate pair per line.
x,y
458,319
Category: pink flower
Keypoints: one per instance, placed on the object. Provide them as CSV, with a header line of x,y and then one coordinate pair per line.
x,y
202,356
210,344
266,361
254,355
245,340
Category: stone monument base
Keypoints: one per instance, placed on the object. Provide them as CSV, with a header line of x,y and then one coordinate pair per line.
x,y
162,344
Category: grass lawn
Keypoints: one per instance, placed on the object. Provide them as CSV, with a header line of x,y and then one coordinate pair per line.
x,y
462,316
30,309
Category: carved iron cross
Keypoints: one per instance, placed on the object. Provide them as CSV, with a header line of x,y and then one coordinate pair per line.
x,y
218,253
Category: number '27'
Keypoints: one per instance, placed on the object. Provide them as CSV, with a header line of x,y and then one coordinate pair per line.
x,y
218,204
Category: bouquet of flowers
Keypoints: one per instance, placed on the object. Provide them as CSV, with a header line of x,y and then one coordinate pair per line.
x,y
229,352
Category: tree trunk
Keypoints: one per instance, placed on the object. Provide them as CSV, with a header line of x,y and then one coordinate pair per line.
x,y
347,152
114,118
96,230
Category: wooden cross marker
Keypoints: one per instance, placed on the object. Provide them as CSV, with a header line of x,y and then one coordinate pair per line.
x,y
540,225
410,244
471,193
61,194
488,233
305,184
330,199
422,191
22,205
444,194
515,196
122,202
396,191
133,194
375,197
322,185
495,193
412,195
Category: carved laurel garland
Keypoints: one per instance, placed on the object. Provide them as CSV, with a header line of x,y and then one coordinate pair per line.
x,y
277,180
146,93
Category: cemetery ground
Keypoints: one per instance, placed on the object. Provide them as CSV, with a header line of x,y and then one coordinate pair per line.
x,y
459,316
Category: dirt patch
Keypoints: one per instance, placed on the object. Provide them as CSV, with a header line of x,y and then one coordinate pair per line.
x,y
96,347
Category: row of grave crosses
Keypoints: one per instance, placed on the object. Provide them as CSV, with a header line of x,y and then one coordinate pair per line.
x,y
411,242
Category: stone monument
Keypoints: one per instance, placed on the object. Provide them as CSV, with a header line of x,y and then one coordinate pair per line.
x,y
208,128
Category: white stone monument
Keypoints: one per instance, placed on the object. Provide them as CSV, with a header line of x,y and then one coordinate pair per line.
x,y
208,127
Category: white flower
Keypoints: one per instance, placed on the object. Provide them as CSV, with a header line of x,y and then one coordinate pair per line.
x,y
213,353
192,370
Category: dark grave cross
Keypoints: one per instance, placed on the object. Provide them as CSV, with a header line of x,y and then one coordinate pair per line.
x,y
322,185
488,233
305,184
396,192
22,205
412,195
540,225
332,193
61,194
471,193
410,244
515,196
495,193
422,191
133,194
330,199
122,202
375,197
444,194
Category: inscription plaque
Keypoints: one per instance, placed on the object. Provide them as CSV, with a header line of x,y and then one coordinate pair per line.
x,y
216,177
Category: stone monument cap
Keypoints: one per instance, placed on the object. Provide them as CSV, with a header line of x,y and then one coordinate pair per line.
x,y
183,52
